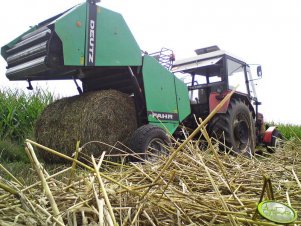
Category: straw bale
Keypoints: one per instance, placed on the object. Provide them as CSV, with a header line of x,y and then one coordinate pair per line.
x,y
107,116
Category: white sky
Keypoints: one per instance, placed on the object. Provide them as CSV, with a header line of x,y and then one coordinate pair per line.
x,y
258,31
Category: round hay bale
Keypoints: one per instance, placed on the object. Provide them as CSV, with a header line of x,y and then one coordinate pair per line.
x,y
107,116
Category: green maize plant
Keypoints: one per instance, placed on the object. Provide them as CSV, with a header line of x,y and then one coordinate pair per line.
x,y
290,131
19,110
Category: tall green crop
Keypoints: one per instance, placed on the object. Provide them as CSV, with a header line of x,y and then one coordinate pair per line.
x,y
19,110
289,131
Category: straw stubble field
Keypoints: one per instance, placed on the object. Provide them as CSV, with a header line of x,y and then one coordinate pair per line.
x,y
191,186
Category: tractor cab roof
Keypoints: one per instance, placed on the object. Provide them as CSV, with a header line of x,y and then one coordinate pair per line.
x,y
209,56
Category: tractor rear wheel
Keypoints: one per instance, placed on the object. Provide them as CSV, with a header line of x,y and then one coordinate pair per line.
x,y
149,140
235,128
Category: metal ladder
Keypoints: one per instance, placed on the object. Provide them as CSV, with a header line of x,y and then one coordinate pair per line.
x,y
165,57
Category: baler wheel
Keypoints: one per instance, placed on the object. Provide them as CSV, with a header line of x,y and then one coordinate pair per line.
x,y
149,140
235,128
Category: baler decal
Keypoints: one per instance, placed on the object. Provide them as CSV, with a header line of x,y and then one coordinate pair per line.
x,y
164,115
91,35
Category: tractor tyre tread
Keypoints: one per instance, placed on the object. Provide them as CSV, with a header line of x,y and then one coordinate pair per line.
x,y
221,126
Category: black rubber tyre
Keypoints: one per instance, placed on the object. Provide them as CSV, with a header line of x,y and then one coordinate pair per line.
x,y
149,139
235,128
277,139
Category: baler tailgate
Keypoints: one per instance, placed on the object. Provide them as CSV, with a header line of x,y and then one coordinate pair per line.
x,y
27,54
33,54
31,67
26,42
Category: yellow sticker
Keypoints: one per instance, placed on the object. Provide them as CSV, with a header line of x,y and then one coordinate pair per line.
x,y
81,60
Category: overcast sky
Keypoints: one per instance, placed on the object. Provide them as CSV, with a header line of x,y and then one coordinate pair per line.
x,y
258,31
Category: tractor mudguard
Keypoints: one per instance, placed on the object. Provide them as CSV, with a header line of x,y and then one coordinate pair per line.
x,y
268,135
215,98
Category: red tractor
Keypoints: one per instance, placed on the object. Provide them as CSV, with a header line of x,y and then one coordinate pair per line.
x,y
210,76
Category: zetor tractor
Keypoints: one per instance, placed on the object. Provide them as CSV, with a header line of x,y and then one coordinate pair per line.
x,y
210,76
94,45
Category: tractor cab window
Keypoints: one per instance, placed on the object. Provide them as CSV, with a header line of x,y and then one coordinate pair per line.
x,y
203,77
236,73
198,80
213,79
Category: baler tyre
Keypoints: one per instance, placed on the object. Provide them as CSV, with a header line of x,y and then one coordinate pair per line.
x,y
149,138
235,128
276,142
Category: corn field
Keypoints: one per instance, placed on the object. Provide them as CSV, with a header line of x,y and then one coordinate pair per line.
x,y
18,112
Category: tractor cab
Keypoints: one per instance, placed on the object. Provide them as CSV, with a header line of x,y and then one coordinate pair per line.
x,y
214,72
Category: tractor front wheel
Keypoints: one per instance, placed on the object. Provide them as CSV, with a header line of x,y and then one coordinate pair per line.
x,y
235,128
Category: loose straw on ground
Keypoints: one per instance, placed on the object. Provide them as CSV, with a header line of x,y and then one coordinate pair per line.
x,y
192,189
48,192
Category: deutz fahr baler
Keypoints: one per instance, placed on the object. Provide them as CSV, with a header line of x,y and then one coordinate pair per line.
x,y
94,45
